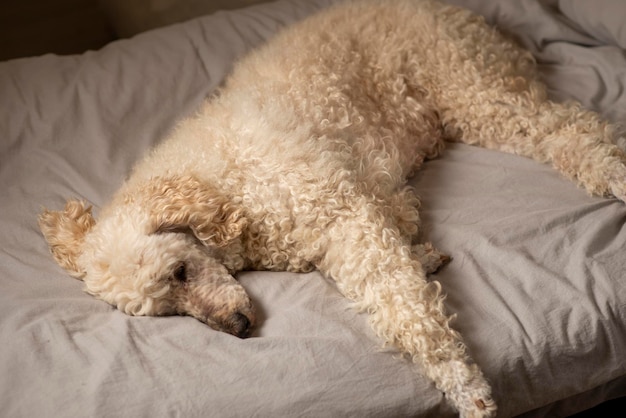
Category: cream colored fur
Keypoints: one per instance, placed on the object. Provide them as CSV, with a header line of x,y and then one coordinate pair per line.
x,y
300,163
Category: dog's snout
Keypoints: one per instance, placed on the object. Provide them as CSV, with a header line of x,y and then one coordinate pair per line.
x,y
240,325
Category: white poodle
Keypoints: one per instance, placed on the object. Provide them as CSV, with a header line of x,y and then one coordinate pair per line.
x,y
301,162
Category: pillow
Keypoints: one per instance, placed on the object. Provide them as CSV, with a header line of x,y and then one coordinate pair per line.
x,y
605,20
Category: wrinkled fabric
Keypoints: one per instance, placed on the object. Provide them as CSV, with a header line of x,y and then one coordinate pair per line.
x,y
536,281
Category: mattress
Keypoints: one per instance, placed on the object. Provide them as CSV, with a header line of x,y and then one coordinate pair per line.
x,y
536,281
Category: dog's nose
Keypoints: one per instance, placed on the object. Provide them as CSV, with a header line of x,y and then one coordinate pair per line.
x,y
240,325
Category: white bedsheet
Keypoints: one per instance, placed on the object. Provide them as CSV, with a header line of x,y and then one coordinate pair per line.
x,y
537,277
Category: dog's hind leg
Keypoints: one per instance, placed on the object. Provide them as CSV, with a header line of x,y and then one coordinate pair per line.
x,y
374,267
491,96
577,142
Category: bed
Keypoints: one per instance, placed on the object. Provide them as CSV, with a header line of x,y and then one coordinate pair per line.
x,y
537,277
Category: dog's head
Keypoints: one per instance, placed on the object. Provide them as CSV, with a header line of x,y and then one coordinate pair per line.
x,y
161,252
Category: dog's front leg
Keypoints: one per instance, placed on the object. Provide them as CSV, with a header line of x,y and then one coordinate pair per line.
x,y
374,267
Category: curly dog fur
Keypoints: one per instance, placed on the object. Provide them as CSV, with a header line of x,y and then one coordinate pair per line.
x,y
301,163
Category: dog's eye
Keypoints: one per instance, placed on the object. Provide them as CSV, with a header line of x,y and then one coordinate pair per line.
x,y
180,273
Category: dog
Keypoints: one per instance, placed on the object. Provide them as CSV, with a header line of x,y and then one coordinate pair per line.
x,y
300,162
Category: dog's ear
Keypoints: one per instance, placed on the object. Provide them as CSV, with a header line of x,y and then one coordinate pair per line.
x,y
182,202
65,232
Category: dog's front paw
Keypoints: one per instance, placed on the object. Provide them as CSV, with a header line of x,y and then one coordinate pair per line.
x,y
613,179
480,407
618,189
470,393
429,257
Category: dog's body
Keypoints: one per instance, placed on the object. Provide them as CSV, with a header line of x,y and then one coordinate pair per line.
x,y
301,163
